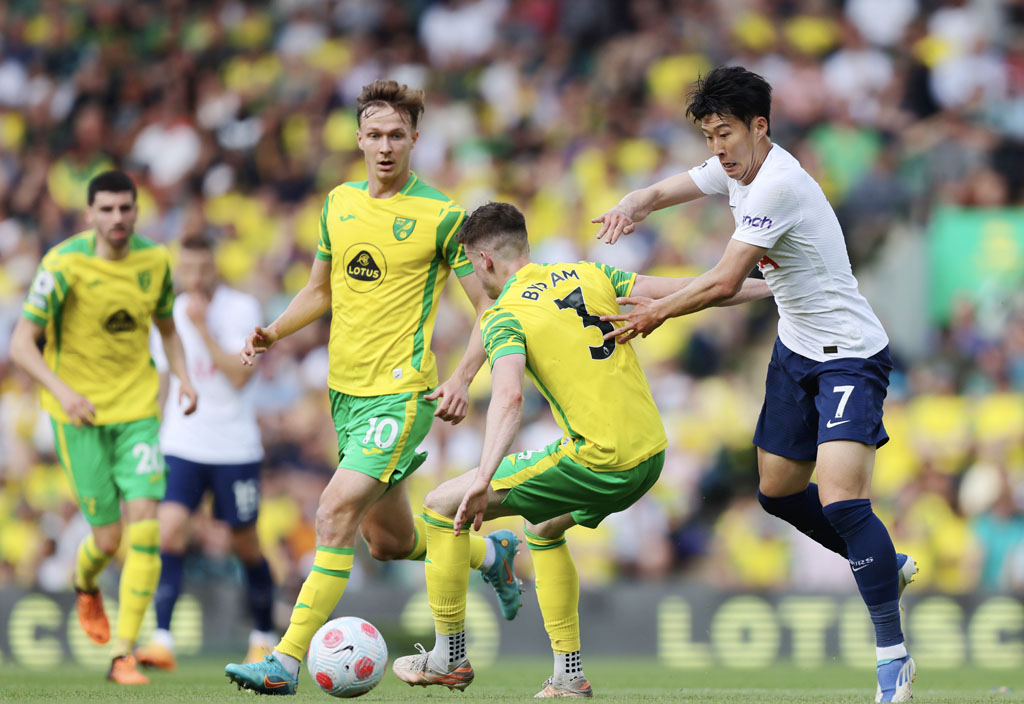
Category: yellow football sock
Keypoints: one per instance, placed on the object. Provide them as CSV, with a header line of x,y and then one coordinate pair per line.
x,y
477,545
139,578
319,595
558,591
91,561
419,548
447,570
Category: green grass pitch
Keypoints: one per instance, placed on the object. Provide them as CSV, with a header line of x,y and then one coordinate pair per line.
x,y
614,680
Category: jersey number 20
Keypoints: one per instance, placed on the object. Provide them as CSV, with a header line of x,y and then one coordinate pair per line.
x,y
575,301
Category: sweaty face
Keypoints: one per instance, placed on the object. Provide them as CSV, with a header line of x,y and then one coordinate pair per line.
x,y
196,270
113,215
735,144
386,139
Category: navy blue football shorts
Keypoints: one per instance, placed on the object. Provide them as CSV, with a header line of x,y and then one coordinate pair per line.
x,y
235,487
807,403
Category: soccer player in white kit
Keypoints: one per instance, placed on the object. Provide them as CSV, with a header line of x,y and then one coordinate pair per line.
x,y
830,366
217,449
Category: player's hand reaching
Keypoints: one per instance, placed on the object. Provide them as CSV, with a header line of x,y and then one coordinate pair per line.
x,y
188,399
644,319
473,506
615,223
79,409
454,403
258,342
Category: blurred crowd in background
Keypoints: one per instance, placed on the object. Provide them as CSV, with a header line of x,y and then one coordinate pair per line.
x,y
236,118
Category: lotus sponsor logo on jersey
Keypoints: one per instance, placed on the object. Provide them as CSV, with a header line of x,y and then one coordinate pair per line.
x,y
759,222
365,267
121,321
403,227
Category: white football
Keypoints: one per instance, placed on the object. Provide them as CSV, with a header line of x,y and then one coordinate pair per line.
x,y
347,657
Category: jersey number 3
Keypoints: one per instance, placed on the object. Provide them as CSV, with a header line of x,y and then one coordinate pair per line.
x,y
575,301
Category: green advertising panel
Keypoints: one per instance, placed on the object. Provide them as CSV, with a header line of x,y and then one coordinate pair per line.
x,y
975,254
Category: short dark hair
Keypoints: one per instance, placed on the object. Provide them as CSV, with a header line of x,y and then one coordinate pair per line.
x,y
198,243
388,93
500,225
112,182
731,90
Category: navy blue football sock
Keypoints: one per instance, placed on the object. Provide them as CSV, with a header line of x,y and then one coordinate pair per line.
x,y
873,561
803,511
169,588
261,594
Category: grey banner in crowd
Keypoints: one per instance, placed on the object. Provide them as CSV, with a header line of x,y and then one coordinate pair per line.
x,y
685,625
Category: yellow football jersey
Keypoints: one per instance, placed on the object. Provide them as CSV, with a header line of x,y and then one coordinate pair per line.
x,y
597,389
97,314
390,258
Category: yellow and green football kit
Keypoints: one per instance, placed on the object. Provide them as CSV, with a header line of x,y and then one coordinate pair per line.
x,y
612,451
97,313
390,259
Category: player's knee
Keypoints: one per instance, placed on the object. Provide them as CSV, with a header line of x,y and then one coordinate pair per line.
x,y
108,542
334,525
384,551
439,501
547,529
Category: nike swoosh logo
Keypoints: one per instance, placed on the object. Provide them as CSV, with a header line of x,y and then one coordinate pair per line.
x,y
97,282
374,451
509,577
830,424
858,569
270,684
343,218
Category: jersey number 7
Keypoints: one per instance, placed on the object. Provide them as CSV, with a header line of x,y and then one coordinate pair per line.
x,y
575,301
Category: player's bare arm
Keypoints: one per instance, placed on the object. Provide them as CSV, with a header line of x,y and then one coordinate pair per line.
x,y
503,416
25,353
662,286
309,304
196,309
637,205
712,288
188,399
454,392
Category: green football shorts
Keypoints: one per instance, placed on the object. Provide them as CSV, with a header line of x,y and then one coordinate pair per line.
x,y
108,463
378,435
547,483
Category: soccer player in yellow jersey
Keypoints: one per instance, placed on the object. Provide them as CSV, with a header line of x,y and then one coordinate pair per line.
x,y
546,322
94,297
387,246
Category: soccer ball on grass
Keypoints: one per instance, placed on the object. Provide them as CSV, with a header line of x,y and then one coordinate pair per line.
x,y
347,657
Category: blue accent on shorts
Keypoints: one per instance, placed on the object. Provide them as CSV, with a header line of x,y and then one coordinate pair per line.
x,y
807,403
236,488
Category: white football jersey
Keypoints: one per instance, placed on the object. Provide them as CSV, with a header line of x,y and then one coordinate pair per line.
x,y
822,314
223,430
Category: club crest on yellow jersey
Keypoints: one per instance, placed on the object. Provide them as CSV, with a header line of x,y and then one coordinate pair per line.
x,y
402,228
145,279
365,267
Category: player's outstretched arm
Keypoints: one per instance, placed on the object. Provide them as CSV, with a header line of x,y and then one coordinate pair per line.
x,y
637,205
712,288
26,355
309,304
503,416
188,399
661,286
454,392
